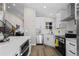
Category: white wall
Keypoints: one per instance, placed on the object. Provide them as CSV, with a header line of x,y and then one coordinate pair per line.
x,y
41,22
29,25
33,24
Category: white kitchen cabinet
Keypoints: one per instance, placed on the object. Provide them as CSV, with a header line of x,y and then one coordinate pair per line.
x,y
71,47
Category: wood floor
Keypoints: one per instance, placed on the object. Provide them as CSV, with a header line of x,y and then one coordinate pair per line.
x,y
42,50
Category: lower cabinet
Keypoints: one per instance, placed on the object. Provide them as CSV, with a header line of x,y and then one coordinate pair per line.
x,y
70,52
71,47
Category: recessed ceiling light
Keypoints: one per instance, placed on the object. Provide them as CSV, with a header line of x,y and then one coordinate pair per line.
x,y
8,6
45,7
14,4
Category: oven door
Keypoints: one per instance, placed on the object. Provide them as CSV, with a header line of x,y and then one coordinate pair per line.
x,y
25,48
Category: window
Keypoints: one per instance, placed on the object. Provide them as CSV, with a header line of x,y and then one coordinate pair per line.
x,y
49,25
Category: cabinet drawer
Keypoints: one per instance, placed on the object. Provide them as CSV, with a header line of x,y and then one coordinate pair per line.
x,y
71,47
74,40
70,53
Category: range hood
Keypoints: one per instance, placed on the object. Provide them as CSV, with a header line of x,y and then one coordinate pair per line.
x,y
69,18
72,16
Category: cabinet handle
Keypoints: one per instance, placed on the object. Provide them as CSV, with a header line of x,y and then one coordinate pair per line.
x,y
71,52
72,44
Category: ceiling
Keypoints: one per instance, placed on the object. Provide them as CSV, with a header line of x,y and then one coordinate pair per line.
x,y
16,9
41,9
47,9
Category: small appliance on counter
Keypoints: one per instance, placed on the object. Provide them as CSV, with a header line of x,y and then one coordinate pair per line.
x,y
19,31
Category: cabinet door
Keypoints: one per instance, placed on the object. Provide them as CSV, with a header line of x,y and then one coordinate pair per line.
x,y
71,47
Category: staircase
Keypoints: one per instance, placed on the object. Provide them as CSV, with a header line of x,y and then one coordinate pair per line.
x,y
13,19
7,29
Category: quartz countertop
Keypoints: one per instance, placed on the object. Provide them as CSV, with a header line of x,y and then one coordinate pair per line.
x,y
9,48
